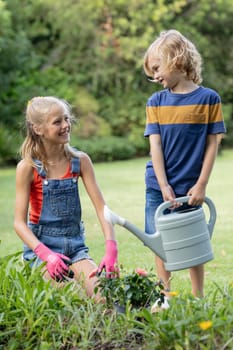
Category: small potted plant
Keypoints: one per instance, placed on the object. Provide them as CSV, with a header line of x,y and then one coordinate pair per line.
x,y
138,289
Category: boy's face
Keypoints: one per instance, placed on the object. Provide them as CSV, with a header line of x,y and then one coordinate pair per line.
x,y
168,79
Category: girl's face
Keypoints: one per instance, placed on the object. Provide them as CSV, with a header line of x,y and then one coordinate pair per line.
x,y
57,126
168,79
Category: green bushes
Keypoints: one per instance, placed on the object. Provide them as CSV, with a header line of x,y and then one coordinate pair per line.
x,y
9,143
107,148
228,117
45,49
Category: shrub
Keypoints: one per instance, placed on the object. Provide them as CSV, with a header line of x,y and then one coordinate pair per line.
x,y
106,148
9,144
137,289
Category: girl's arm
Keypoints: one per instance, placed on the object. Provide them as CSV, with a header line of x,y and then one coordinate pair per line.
x,y
109,261
93,190
197,192
159,168
55,262
24,177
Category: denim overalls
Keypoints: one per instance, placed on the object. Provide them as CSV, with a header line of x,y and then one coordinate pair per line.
x,y
60,227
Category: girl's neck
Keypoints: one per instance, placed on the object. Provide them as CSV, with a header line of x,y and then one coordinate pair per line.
x,y
55,155
57,168
57,161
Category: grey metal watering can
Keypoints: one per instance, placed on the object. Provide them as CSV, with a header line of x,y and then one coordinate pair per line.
x,y
183,237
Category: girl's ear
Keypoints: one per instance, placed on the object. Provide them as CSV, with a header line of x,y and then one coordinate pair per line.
x,y
37,130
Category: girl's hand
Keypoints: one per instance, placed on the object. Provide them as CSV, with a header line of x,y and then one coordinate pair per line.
x,y
57,264
109,261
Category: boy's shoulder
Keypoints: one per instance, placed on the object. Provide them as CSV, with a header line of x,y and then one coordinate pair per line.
x,y
201,95
209,91
158,95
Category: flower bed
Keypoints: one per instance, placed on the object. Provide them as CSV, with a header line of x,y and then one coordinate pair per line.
x,y
138,289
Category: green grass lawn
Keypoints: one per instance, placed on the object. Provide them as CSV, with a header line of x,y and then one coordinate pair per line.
x,y
122,184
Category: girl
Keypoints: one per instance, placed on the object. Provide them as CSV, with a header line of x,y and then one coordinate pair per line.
x,y
183,121
47,181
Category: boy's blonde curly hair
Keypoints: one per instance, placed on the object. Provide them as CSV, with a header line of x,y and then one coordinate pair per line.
x,y
175,52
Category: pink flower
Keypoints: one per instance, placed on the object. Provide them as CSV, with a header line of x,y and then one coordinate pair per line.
x,y
141,272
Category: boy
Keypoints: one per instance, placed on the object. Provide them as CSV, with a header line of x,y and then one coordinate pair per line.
x,y
183,121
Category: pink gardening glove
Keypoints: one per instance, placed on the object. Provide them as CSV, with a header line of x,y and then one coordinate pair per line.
x,y
55,264
109,261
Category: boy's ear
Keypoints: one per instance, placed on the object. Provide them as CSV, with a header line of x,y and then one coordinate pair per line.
x,y
37,130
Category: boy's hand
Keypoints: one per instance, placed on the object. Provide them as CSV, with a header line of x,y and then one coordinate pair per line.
x,y
197,195
169,195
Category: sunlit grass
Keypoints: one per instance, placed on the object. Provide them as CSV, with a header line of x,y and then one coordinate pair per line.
x,y
122,184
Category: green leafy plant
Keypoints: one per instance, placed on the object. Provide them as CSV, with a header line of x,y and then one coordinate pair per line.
x,y
137,289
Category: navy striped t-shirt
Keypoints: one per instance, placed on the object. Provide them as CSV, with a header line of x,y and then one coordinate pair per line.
x,y
183,121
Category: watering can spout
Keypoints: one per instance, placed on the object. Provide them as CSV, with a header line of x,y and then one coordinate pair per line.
x,y
152,241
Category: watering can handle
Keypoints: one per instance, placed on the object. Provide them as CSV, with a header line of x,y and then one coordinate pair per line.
x,y
208,201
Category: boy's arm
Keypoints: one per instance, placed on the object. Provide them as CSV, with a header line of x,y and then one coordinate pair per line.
x,y
159,168
197,192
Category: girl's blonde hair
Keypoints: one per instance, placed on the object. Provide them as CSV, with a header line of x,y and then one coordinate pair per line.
x,y
175,52
37,111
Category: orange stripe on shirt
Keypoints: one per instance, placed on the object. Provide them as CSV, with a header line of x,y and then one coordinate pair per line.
x,y
190,114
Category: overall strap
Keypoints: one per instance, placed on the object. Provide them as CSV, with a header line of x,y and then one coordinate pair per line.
x,y
75,165
39,168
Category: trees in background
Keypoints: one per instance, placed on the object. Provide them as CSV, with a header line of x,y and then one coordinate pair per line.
x,y
91,54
